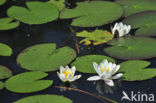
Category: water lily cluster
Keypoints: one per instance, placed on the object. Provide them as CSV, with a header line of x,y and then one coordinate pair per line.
x,y
105,71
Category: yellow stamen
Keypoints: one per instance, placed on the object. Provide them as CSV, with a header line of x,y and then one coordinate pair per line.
x,y
67,72
104,69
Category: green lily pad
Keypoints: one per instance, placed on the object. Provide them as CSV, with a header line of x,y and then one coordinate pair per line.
x,y
28,82
45,57
37,12
135,70
143,19
1,85
5,72
93,13
97,36
58,3
7,24
85,63
2,2
146,31
132,48
47,98
134,6
5,50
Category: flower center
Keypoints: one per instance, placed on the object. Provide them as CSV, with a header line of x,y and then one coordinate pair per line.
x,y
104,69
67,72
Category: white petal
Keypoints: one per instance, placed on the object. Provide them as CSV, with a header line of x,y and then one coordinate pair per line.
x,y
116,69
75,78
117,76
94,78
109,82
61,69
95,65
73,69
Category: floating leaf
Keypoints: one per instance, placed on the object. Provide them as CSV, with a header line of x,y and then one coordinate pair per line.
x,y
47,98
28,82
136,70
58,3
6,24
37,12
143,19
134,6
132,48
2,2
5,50
146,31
45,57
5,72
85,63
93,13
97,36
1,85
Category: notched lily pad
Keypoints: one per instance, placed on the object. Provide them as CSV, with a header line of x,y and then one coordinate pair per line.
x,y
85,63
47,98
132,48
8,23
143,19
37,12
5,72
28,82
93,13
1,85
5,50
45,57
58,3
135,70
97,36
134,6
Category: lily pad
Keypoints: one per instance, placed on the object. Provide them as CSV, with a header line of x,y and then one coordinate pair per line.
x,y
7,24
97,36
28,82
5,72
134,6
58,3
93,13
47,98
132,48
135,70
45,57
1,85
37,12
5,50
146,31
143,19
2,2
85,63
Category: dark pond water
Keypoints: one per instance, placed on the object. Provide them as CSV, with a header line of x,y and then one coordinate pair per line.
x,y
59,32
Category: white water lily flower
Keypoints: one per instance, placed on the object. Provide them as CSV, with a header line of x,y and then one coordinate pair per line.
x,y
105,71
67,75
121,28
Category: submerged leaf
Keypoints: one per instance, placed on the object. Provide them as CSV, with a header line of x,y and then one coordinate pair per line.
x,y
135,70
97,36
85,63
5,50
132,48
6,24
28,82
5,72
58,3
45,57
93,13
47,98
37,12
134,6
